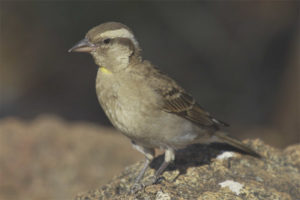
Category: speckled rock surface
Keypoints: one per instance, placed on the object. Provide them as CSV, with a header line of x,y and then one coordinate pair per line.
x,y
198,174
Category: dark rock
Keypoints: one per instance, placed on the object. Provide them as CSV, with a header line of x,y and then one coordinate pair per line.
x,y
200,173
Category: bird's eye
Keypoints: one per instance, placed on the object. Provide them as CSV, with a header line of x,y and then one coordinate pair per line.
x,y
106,41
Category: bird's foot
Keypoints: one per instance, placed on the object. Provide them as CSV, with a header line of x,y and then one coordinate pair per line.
x,y
151,181
154,180
136,187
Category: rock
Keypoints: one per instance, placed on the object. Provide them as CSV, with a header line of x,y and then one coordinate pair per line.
x,y
199,173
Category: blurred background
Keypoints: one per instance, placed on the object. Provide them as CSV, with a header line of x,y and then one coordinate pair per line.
x,y
241,61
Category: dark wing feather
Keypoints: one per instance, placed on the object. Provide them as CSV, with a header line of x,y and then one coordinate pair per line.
x,y
176,100
179,102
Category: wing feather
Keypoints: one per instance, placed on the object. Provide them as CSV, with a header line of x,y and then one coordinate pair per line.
x,y
179,102
175,100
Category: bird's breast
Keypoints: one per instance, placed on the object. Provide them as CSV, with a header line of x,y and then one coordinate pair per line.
x,y
126,101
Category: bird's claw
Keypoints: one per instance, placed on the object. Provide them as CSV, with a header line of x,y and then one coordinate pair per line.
x,y
159,179
154,180
151,181
136,187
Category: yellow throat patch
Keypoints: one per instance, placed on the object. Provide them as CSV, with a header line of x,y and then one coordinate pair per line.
x,y
104,70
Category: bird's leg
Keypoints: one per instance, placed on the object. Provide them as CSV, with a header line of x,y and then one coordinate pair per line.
x,y
149,155
142,172
169,157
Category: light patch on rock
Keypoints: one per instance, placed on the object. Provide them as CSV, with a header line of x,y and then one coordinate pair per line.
x,y
225,155
160,195
233,186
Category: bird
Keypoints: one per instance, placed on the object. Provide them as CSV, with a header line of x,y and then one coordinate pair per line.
x,y
144,103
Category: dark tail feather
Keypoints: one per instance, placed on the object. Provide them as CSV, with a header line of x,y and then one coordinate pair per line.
x,y
236,143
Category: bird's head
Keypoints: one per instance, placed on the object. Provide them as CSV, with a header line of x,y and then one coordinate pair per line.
x,y
111,44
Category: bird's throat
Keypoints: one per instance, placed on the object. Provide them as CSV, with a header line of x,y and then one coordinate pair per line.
x,y
104,70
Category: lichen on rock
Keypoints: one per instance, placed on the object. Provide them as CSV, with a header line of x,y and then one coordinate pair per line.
x,y
197,174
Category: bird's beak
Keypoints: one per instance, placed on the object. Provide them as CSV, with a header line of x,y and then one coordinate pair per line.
x,y
83,46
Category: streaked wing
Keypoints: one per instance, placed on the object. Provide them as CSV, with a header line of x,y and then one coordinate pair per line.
x,y
177,101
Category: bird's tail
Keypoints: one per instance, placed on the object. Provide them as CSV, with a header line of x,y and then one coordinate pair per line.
x,y
222,137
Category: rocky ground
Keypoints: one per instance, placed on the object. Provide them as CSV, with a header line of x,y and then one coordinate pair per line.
x,y
207,172
49,158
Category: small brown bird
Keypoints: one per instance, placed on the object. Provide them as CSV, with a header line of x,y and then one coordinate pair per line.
x,y
146,105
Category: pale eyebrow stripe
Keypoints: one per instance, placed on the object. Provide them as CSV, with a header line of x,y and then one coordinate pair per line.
x,y
120,33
